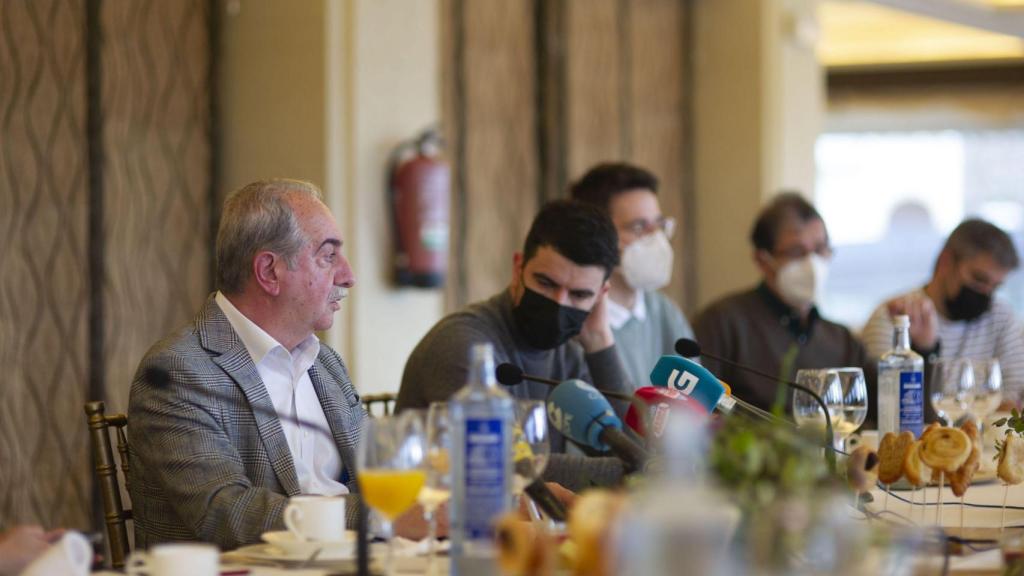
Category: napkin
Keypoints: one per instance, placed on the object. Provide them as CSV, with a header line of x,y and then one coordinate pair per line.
x,y
71,555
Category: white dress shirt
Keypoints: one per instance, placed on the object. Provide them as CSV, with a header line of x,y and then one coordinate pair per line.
x,y
618,314
286,375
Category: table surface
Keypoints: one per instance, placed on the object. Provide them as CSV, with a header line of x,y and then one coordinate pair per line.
x,y
981,516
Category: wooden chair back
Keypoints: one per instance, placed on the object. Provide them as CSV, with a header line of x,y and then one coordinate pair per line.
x,y
379,404
114,513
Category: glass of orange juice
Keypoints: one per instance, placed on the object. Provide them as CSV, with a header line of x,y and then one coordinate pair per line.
x,y
390,468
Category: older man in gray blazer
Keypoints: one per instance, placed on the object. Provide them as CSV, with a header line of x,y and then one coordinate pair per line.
x,y
229,415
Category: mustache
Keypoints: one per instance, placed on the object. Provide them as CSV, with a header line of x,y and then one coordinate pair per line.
x,y
338,293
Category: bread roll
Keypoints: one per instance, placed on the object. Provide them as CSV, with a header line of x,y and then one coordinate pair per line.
x,y
960,480
891,452
1011,460
862,469
916,471
590,523
523,548
945,449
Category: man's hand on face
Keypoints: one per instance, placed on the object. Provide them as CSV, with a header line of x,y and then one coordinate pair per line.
x,y
596,334
924,319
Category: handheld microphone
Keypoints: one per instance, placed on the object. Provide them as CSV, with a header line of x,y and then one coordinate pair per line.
x,y
511,375
692,380
690,348
581,413
652,407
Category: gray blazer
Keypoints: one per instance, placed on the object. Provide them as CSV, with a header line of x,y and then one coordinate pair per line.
x,y
208,458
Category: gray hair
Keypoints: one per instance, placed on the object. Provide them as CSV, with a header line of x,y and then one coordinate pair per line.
x,y
974,236
257,217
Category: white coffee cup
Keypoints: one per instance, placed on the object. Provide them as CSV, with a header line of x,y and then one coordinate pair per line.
x,y
320,518
171,559
71,555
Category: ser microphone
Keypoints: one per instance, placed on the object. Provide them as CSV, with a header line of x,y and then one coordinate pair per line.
x,y
512,375
581,413
690,348
652,407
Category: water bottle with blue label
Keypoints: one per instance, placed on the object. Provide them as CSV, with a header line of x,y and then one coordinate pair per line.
x,y
482,419
901,384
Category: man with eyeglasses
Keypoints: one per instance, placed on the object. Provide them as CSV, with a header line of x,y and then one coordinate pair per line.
x,y
775,326
955,315
645,322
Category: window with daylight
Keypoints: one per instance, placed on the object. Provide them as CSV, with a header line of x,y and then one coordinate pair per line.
x,y
890,198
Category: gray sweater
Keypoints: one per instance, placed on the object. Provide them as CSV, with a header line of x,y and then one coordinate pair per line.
x,y
642,343
439,365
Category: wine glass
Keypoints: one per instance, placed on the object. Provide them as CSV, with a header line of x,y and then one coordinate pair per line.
x,y
530,444
988,388
855,402
389,461
438,486
952,383
806,411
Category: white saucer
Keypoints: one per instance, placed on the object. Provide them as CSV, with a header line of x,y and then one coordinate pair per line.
x,y
291,548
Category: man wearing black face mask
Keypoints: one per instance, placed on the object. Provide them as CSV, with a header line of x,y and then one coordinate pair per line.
x,y
550,321
955,314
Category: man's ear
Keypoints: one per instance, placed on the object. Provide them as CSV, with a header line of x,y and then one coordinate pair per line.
x,y
945,261
517,267
265,272
763,261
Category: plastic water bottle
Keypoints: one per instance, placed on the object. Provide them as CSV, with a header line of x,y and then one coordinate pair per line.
x,y
900,384
482,419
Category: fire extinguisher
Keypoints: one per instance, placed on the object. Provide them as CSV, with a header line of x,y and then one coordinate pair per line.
x,y
418,183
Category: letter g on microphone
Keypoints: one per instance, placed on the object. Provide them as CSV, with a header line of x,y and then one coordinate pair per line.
x,y
683,381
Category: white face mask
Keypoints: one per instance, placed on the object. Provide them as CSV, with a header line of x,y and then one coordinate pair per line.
x,y
802,282
647,262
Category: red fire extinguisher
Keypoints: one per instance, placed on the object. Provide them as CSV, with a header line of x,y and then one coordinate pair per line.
x,y
419,183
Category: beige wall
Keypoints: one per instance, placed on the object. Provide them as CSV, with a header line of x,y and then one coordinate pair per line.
x,y
327,101
394,92
272,92
758,107
328,104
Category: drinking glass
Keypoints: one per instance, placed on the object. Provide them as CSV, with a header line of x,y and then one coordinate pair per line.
x,y
952,383
438,486
806,411
855,402
988,388
390,468
531,446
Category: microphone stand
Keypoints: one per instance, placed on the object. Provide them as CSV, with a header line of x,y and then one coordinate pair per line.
x,y
830,454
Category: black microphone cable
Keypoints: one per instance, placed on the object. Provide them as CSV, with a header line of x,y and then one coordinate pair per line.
x,y
689,348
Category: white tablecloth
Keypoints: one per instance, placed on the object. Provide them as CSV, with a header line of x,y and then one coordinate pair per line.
x,y
924,510
923,513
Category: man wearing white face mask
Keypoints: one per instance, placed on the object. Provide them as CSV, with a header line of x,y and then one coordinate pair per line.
x,y
645,322
775,327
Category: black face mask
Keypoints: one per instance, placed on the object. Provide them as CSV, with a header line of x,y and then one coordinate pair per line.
x,y
546,324
968,304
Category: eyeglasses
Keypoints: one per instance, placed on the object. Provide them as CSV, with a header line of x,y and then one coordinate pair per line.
x,y
798,252
642,227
